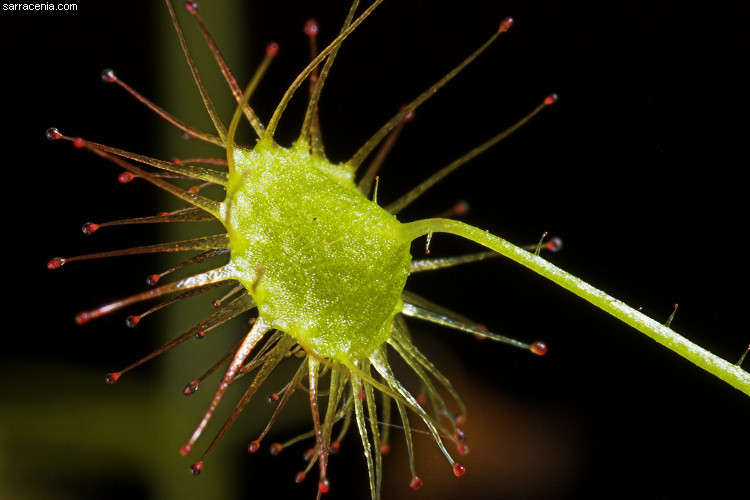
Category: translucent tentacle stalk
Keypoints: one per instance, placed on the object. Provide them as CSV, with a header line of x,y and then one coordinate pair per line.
x,y
359,413
199,280
260,328
416,482
298,376
109,76
192,8
383,368
269,363
204,243
373,141
208,103
443,262
271,129
415,193
372,415
310,124
314,378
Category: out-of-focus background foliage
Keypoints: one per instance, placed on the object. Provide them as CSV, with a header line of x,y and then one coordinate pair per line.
x,y
639,168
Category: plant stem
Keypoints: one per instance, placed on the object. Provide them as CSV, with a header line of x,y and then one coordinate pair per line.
x,y
731,373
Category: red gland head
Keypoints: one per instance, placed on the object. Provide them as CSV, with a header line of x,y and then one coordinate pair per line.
x,y
55,263
125,177
82,317
108,75
324,486
196,468
191,7
311,27
53,134
190,387
458,469
505,24
335,447
272,49
89,228
554,244
276,448
539,348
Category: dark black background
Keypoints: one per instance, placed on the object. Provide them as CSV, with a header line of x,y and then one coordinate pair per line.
x,y
639,168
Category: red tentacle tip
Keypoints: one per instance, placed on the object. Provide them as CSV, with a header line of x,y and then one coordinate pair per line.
x,y
153,279
299,477
463,448
89,228
554,244
201,334
79,142
191,7
55,263
276,448
460,420
461,207
185,450
415,483
113,377
132,321
196,468
125,177
385,448
311,27
309,454
459,434
272,49
253,447
191,387
108,75
458,469
53,134
506,24
335,447
539,348
272,398
408,116
83,317
550,99
324,486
